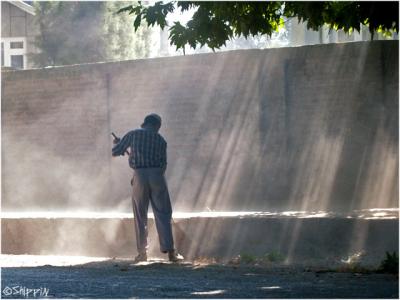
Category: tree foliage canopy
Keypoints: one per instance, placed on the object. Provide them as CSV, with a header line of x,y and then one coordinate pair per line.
x,y
214,23
88,31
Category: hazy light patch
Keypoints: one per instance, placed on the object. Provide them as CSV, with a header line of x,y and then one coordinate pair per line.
x,y
215,292
218,214
380,217
380,214
305,214
382,172
375,213
381,209
67,215
354,258
292,213
152,261
118,215
41,260
317,215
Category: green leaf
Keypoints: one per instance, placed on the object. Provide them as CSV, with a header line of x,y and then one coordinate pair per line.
x,y
124,9
137,22
213,23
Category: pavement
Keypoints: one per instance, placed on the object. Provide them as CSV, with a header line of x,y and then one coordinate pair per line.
x,y
85,277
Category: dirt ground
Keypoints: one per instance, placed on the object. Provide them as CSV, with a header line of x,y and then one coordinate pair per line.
x,y
119,278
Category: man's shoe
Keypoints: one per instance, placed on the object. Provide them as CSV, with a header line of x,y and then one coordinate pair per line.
x,y
175,256
140,257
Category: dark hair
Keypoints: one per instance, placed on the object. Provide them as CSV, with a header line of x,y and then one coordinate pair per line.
x,y
152,119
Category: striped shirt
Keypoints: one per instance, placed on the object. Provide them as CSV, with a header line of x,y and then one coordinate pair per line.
x,y
148,149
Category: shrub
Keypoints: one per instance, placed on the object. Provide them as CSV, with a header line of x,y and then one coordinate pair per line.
x,y
274,256
390,264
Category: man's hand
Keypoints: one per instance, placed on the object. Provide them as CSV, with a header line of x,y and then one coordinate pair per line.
x,y
116,140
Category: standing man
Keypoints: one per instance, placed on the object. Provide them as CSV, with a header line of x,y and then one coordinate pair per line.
x,y
148,159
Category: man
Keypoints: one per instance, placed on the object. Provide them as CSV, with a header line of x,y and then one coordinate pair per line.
x,y
148,159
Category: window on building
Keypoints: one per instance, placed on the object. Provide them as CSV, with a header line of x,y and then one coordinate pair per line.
x,y
17,61
13,52
16,45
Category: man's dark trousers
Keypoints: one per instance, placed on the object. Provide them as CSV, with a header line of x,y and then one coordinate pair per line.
x,y
149,184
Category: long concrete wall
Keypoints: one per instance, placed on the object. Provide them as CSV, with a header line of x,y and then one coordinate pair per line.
x,y
307,240
307,128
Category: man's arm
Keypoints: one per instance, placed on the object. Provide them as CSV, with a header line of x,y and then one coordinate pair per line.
x,y
164,157
123,145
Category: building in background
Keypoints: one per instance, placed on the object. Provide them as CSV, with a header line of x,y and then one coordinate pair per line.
x,y
18,31
299,35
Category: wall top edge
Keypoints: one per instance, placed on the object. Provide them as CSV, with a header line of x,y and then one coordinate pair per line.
x,y
137,62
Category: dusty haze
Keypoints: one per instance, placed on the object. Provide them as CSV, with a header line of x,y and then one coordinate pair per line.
x,y
307,128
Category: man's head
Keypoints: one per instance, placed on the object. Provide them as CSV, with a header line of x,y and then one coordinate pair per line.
x,y
152,121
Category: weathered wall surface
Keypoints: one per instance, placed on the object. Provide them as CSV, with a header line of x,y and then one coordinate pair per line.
x,y
309,128
299,240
